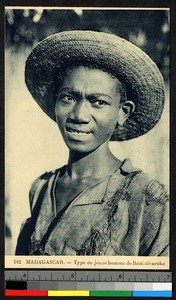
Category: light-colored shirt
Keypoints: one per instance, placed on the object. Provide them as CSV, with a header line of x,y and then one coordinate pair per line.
x,y
125,214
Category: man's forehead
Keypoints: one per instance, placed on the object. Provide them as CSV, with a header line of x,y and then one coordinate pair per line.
x,y
80,72
93,79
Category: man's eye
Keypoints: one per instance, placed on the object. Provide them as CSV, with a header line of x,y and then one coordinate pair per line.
x,y
98,103
67,98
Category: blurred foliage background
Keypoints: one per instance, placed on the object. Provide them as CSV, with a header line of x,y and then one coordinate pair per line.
x,y
148,29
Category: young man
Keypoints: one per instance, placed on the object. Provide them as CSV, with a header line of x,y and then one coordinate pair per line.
x,y
97,87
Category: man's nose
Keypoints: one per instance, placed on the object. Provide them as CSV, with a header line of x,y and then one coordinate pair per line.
x,y
81,112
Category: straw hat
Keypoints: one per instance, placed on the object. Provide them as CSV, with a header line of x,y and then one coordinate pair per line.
x,y
129,63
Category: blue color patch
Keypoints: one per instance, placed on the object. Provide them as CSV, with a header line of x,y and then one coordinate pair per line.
x,y
152,293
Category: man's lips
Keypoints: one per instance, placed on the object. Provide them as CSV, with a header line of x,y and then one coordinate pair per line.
x,y
77,130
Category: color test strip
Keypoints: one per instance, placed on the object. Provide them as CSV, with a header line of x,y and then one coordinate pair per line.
x,y
68,293
96,293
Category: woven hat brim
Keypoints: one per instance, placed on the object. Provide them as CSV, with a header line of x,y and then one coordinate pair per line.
x,y
113,53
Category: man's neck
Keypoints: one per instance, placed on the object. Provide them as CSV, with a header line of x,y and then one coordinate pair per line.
x,y
98,163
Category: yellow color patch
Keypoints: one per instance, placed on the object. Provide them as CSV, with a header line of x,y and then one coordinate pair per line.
x,y
68,293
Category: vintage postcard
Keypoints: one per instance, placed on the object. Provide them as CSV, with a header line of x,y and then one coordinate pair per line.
x,y
87,105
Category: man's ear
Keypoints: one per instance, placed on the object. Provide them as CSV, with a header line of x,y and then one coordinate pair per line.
x,y
126,109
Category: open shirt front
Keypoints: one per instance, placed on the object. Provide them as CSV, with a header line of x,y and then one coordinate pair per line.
x,y
124,214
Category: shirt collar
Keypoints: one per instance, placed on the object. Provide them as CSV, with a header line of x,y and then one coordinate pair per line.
x,y
127,167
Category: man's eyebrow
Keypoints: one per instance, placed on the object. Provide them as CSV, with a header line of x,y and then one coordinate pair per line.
x,y
89,96
92,95
74,93
65,89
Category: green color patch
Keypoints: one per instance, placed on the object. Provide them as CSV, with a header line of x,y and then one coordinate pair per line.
x,y
111,293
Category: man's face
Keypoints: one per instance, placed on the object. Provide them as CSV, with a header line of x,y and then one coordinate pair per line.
x,y
87,108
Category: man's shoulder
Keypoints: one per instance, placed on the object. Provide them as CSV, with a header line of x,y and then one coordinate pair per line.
x,y
138,183
47,175
151,189
44,177
44,180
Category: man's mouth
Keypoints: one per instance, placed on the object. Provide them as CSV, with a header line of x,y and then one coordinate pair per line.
x,y
77,132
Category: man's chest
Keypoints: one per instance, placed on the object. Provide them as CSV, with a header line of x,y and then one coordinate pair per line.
x,y
67,191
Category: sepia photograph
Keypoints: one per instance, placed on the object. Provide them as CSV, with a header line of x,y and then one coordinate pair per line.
x,y
87,132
